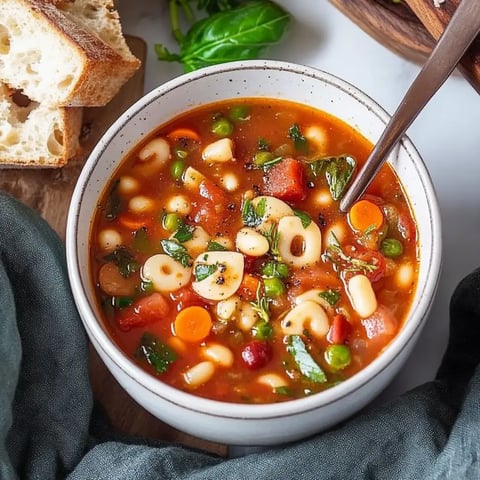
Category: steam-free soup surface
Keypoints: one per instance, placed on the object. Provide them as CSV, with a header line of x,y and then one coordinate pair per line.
x,y
223,265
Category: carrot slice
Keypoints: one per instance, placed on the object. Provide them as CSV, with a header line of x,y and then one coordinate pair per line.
x,y
365,215
193,324
183,133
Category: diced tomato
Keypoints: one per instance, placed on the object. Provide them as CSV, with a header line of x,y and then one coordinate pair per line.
x,y
315,276
286,180
339,330
248,288
214,193
204,214
372,257
382,324
186,297
143,312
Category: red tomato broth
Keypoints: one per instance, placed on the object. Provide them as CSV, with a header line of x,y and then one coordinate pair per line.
x,y
219,212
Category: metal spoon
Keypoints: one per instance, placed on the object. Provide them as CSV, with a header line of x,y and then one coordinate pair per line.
x,y
457,37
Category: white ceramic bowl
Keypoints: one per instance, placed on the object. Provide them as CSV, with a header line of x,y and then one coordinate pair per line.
x,y
239,424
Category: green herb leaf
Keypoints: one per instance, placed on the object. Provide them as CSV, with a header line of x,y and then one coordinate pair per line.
x,y
305,362
304,217
262,305
141,242
273,237
113,204
124,260
184,232
204,270
213,246
177,252
300,142
338,172
284,391
253,216
159,355
331,296
236,34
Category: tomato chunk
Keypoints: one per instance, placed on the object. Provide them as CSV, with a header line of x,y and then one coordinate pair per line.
x,y
143,312
339,330
286,180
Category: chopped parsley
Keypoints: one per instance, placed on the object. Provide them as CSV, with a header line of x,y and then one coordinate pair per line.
x,y
204,270
252,216
299,141
308,367
159,355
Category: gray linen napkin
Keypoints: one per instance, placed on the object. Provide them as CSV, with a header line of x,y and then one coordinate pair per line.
x,y
50,430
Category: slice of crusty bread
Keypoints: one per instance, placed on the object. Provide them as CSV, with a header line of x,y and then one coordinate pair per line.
x,y
34,135
54,60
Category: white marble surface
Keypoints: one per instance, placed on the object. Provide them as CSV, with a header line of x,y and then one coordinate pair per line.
x,y
446,134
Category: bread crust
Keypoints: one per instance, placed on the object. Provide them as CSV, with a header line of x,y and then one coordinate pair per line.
x,y
102,70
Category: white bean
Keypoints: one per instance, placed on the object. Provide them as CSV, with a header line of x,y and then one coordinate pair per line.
x,y
230,182
247,317
220,151
199,374
128,185
225,276
318,137
362,296
165,273
218,354
198,243
109,239
306,315
290,229
192,179
178,204
272,380
157,150
226,309
141,204
251,243
335,234
405,276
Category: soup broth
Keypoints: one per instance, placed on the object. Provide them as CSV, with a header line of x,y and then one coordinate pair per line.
x,y
223,265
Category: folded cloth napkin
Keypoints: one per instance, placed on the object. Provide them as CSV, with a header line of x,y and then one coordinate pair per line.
x,y
50,430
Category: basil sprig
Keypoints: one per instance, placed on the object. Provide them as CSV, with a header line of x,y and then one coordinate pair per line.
x,y
230,34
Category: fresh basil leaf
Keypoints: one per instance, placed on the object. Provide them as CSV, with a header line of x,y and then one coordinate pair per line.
x,y
304,217
299,141
305,362
203,271
236,34
124,260
331,296
159,355
177,252
213,246
184,232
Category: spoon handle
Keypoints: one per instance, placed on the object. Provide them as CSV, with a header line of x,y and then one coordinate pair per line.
x,y
457,37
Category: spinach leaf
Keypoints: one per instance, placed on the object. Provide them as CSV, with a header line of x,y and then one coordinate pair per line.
x,y
304,217
213,246
177,252
338,172
141,241
299,141
331,296
305,363
124,260
235,34
252,216
204,270
159,355
184,232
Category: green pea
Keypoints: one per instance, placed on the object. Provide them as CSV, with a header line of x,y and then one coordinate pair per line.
x,y
240,113
275,269
391,247
171,222
176,169
338,356
222,127
273,287
261,158
262,330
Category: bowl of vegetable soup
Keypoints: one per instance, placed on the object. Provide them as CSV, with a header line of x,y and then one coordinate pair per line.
x,y
214,272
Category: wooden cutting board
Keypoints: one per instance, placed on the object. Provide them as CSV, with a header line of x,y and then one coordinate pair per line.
x,y
49,191
410,28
